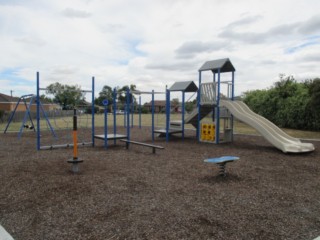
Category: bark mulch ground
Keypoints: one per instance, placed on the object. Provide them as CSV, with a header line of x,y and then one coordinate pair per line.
x,y
173,194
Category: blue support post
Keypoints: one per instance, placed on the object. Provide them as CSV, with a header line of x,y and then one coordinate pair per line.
x,y
132,110
38,112
39,107
11,116
232,87
25,116
199,106
47,119
152,111
214,88
124,114
114,114
183,105
128,114
92,116
218,111
167,114
232,98
106,126
140,111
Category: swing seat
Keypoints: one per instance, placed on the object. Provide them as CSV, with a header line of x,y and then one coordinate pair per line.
x,y
28,126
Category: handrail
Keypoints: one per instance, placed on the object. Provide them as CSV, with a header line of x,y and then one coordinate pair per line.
x,y
191,96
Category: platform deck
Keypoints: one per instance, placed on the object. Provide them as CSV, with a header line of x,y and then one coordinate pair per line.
x,y
171,131
111,136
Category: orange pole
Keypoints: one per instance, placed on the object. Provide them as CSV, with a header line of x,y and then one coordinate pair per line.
x,y
75,161
75,145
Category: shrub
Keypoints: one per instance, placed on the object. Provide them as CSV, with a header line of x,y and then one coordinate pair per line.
x,y
1,115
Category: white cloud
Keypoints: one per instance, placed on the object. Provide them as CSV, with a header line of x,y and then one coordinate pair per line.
x,y
73,13
155,43
311,26
191,49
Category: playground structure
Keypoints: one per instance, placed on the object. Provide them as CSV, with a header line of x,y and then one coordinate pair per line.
x,y
106,136
216,129
136,179
114,136
209,100
129,109
175,127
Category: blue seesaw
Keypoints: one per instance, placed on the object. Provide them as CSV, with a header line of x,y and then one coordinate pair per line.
x,y
222,162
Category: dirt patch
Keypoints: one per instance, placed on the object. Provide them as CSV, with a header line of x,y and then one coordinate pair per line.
x,y
172,194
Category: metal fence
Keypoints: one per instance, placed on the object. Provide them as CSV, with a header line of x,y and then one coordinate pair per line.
x,y
19,116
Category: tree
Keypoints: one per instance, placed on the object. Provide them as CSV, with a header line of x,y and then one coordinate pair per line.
x,y
314,91
189,106
105,93
313,87
67,96
288,103
45,99
123,91
1,115
286,87
175,104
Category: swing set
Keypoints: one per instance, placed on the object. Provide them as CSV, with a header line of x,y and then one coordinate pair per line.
x,y
27,116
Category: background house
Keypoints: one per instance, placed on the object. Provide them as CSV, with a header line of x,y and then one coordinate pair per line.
x,y
8,104
160,106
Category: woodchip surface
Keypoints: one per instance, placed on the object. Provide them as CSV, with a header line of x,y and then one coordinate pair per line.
x,y
173,194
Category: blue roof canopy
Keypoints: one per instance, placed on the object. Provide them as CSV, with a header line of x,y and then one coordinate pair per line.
x,y
224,65
188,86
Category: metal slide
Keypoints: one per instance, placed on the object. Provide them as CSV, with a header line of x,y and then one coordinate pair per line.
x,y
267,129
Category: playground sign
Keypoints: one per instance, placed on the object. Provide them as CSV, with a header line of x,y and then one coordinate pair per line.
x,y
105,102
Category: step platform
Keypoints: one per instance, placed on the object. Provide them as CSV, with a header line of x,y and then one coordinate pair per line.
x,y
111,136
163,132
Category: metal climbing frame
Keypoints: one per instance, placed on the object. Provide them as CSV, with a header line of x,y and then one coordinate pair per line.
x,y
39,107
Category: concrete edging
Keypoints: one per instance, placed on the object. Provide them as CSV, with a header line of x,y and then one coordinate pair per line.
x,y
4,235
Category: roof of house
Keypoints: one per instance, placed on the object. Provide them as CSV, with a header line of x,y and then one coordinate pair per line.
x,y
7,99
161,103
158,103
188,86
224,65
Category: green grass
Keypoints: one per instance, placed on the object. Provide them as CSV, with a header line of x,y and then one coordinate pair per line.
x,y
146,120
243,128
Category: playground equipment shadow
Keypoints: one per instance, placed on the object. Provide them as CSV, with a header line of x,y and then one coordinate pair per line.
x,y
172,194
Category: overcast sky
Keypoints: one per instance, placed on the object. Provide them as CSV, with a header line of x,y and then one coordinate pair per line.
x,y
154,43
